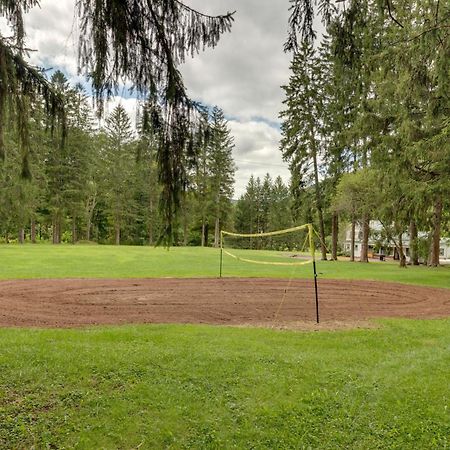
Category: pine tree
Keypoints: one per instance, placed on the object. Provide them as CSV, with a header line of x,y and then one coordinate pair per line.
x,y
221,170
119,164
22,85
57,169
280,213
80,159
201,177
302,127
264,207
148,189
265,203
247,210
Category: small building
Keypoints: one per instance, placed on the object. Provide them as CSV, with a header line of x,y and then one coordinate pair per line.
x,y
379,245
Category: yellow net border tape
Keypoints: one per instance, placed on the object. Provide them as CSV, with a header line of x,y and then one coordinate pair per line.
x,y
268,263
272,233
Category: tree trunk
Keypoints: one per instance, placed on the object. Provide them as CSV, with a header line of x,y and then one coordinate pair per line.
x,y
352,244
58,231
21,236
436,236
319,211
413,244
56,238
396,254
401,252
185,230
334,236
203,232
365,240
317,191
33,231
217,233
150,233
74,230
217,224
88,228
117,233
206,234
90,207
150,222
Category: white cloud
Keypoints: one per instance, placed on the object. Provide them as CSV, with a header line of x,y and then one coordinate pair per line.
x,y
52,31
256,152
243,74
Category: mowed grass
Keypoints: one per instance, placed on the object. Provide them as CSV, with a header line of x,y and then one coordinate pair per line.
x,y
185,386
95,261
171,386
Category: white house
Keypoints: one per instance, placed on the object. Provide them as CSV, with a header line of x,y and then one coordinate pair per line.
x,y
379,245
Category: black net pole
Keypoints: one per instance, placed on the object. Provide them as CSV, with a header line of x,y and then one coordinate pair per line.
x,y
317,294
313,254
221,255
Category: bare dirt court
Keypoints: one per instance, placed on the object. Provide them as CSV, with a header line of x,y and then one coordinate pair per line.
x,y
227,301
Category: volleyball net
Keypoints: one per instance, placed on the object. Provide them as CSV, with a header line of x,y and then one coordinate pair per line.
x,y
291,247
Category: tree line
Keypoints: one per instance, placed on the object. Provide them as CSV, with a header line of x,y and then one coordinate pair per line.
x,y
140,41
103,183
365,124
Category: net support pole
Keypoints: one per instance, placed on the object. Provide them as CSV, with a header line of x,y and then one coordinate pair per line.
x,y
313,254
316,292
221,254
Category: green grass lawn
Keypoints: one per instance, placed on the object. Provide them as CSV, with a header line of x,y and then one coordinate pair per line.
x,y
95,261
214,387
174,386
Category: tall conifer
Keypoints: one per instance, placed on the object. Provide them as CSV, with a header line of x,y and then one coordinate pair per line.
x,y
302,129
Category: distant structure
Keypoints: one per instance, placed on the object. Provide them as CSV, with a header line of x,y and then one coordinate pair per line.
x,y
379,245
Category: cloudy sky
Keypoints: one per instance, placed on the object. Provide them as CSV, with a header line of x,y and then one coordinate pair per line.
x,y
242,75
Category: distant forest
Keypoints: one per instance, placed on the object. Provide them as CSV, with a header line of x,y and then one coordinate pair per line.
x,y
365,129
101,185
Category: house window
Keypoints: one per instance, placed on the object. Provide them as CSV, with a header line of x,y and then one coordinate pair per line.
x,y
356,246
441,252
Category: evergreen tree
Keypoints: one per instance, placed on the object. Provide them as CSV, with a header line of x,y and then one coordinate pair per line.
x,y
80,159
280,203
22,85
57,168
119,164
247,210
302,127
221,170
148,189
341,101
265,207
201,177
265,203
